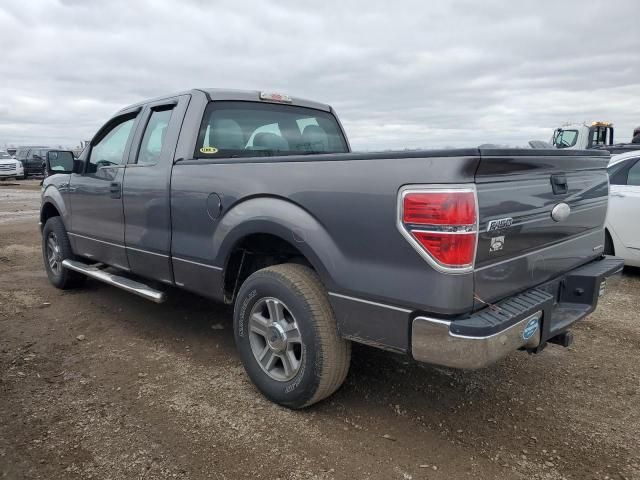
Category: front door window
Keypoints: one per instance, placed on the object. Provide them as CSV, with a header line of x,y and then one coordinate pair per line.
x,y
109,151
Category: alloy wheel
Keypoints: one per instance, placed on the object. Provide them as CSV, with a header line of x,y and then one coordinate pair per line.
x,y
275,339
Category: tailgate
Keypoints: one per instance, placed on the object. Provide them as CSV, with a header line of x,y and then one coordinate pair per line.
x,y
521,243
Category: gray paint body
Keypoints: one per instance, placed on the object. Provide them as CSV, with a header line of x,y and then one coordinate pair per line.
x,y
177,221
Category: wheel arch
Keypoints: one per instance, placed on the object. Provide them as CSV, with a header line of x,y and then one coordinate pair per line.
x,y
48,210
276,227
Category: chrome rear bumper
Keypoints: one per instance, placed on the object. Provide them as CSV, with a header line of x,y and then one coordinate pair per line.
x,y
433,342
527,320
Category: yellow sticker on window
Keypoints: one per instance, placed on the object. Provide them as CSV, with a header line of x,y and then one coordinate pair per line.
x,y
209,150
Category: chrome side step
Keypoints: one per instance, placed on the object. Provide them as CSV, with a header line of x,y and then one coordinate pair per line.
x,y
124,283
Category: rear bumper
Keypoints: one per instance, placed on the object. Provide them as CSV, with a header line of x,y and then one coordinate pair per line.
x,y
526,320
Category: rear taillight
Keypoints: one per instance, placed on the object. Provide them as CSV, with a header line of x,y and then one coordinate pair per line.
x,y
441,224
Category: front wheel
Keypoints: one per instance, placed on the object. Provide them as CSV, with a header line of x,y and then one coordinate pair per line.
x,y
287,336
55,249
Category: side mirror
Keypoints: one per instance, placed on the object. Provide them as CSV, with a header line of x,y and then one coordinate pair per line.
x,y
59,161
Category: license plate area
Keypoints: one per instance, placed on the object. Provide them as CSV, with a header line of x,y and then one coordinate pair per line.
x,y
582,289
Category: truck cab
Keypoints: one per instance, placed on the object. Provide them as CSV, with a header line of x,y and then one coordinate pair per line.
x,y
583,136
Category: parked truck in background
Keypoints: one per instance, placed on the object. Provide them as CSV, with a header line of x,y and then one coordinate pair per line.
x,y
10,168
597,135
33,159
452,257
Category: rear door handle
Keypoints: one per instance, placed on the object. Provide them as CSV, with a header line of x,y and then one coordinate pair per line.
x,y
116,190
620,195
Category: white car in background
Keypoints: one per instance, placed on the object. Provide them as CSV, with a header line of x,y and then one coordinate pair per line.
x,y
10,167
622,236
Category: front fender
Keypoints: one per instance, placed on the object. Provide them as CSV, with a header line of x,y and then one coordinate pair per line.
x,y
52,195
286,220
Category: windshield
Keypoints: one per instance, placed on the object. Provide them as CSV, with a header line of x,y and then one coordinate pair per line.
x,y
565,138
4,155
250,129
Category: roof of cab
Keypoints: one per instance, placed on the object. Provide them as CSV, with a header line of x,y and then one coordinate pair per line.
x,y
215,94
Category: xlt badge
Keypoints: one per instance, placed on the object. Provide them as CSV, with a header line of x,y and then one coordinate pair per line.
x,y
499,224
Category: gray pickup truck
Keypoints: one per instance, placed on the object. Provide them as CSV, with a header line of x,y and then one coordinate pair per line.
x,y
452,257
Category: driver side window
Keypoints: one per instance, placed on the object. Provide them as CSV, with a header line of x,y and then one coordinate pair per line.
x,y
109,151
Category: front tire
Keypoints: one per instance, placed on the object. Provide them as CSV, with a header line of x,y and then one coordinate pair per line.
x,y
287,337
55,249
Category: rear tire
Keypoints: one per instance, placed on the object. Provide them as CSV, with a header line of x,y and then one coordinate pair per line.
x,y
287,337
55,249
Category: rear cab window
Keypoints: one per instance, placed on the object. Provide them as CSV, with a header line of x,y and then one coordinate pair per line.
x,y
251,129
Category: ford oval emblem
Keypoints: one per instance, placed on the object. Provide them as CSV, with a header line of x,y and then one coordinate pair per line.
x,y
560,212
530,328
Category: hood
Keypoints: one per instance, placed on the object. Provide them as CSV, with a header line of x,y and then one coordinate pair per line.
x,y
8,161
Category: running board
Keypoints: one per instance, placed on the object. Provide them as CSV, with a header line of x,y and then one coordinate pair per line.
x,y
124,283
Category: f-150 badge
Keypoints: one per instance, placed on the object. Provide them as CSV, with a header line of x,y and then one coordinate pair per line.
x,y
496,244
499,224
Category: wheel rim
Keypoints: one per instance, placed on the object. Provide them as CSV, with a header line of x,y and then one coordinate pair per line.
x,y
54,255
276,341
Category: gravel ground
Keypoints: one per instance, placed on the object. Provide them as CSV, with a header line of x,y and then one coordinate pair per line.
x,y
98,383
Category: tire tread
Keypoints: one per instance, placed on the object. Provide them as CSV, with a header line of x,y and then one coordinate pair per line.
x,y
335,350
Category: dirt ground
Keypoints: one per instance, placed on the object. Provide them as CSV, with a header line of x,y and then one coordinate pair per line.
x,y
98,383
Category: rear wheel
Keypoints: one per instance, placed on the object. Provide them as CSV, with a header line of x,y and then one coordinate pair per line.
x,y
55,249
287,337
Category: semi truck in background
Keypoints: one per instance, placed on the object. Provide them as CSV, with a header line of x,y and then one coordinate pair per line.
x,y
583,136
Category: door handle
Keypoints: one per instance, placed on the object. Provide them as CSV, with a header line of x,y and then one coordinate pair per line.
x,y
619,195
116,189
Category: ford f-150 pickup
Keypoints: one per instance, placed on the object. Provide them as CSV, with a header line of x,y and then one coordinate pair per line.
x,y
452,257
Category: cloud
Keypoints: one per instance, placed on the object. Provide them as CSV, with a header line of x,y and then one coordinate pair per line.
x,y
405,74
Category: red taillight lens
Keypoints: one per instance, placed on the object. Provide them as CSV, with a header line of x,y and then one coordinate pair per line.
x,y
447,248
441,224
439,208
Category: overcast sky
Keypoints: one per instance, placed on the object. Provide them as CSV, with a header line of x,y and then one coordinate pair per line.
x,y
400,74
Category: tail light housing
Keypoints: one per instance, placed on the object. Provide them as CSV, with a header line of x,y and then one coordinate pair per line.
x,y
441,223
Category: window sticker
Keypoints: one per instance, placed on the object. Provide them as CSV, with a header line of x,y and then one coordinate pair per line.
x,y
209,150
